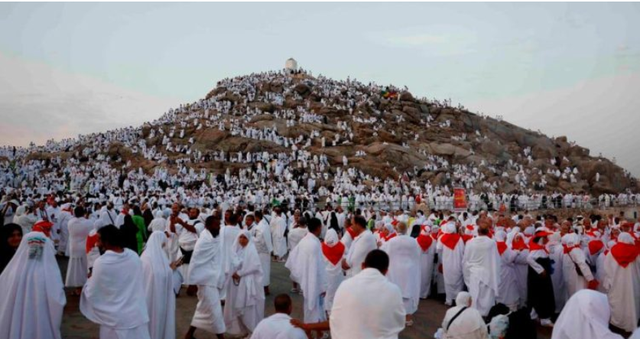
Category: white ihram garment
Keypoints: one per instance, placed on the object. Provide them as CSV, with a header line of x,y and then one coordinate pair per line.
x,y
426,267
452,263
367,306
404,258
205,271
264,246
228,235
33,295
481,269
277,326
334,271
468,324
585,316
618,283
307,266
278,227
79,229
357,252
158,284
244,307
114,296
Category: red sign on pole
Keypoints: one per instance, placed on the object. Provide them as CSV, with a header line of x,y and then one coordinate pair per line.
x,y
459,200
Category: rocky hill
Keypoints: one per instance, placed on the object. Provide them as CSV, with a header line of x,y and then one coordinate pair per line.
x,y
383,131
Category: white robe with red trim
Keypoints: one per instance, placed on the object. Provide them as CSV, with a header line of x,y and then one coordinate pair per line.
x,y
452,268
426,270
618,284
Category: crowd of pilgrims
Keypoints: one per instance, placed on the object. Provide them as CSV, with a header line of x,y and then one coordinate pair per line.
x,y
133,238
488,266
172,143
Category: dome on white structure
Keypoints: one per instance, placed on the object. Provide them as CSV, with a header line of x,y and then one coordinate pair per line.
x,y
291,65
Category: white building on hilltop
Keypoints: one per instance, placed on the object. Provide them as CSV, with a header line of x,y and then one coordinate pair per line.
x,y
291,65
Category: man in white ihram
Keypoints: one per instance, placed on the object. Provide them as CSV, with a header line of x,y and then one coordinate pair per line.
x,y
481,269
206,272
363,243
278,226
262,237
404,258
114,296
368,305
307,266
278,325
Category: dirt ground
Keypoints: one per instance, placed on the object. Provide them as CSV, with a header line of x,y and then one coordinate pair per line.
x,y
426,321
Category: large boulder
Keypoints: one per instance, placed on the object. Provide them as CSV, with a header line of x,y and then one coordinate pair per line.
x,y
447,149
491,147
302,89
263,106
406,96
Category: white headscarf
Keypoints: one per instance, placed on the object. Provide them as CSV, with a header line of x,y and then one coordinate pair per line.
x,y
34,296
626,238
449,228
390,228
511,235
159,286
154,255
585,316
500,236
20,211
463,299
468,324
331,237
250,271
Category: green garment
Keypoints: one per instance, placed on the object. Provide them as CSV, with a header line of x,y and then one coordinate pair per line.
x,y
142,231
371,224
352,203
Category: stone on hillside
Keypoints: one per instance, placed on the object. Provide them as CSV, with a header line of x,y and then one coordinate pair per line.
x,y
263,106
302,89
447,149
261,117
406,96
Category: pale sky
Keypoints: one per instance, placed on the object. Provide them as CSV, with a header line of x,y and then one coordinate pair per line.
x,y
564,69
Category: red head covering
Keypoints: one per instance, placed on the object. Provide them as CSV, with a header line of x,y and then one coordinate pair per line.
x,y
595,246
333,254
466,237
450,239
624,254
518,244
502,246
43,226
92,239
389,236
425,241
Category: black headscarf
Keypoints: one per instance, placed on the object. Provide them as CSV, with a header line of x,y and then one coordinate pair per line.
x,y
333,222
6,251
129,231
148,217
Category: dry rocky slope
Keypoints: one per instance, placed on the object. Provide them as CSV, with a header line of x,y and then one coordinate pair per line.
x,y
464,139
